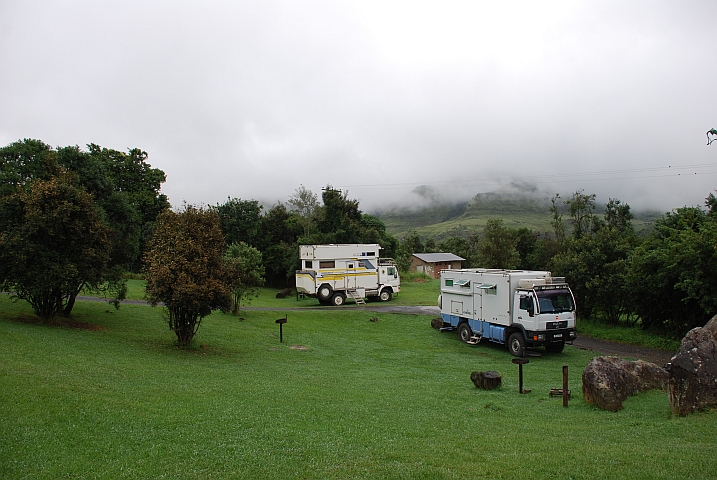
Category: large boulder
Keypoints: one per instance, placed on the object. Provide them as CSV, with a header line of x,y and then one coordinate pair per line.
x,y
693,371
608,381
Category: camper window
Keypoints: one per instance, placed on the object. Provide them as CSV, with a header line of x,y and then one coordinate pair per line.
x,y
308,264
327,264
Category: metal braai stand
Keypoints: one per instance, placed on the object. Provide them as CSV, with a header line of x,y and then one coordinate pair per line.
x,y
520,362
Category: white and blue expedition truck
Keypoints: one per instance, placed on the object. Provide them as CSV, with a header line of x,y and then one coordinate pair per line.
x,y
332,273
518,308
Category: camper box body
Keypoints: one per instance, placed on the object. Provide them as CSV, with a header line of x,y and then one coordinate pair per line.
x,y
520,308
337,271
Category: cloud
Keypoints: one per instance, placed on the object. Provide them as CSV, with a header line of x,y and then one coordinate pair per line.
x,y
251,99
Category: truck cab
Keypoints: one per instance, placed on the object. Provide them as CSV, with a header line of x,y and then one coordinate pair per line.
x,y
545,315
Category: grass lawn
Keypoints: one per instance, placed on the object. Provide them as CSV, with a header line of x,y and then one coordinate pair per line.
x,y
359,399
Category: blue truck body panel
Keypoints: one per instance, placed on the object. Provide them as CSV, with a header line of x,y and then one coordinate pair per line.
x,y
489,331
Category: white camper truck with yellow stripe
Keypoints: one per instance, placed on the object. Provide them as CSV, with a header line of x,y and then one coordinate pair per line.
x,y
333,273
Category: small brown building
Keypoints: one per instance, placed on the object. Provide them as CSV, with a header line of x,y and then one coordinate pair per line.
x,y
432,263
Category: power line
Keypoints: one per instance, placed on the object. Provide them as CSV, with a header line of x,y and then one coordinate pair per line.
x,y
670,171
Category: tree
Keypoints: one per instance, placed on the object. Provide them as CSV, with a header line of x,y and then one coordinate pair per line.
x,y
185,269
279,230
595,263
581,208
373,230
53,243
340,217
123,185
411,243
674,272
239,220
23,161
618,216
497,247
306,204
246,273
556,220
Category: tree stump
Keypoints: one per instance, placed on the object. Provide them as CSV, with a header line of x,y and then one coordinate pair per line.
x,y
487,380
437,323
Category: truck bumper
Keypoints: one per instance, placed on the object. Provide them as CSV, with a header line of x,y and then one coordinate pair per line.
x,y
539,338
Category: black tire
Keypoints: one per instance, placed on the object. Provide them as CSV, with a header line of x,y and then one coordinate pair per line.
x,y
338,299
324,292
464,332
324,302
385,295
516,344
555,347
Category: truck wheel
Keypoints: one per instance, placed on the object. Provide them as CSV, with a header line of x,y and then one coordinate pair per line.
x,y
556,347
464,332
385,295
516,344
338,299
324,292
324,302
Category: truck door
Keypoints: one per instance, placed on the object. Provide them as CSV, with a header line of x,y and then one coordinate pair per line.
x,y
524,308
466,300
478,302
351,274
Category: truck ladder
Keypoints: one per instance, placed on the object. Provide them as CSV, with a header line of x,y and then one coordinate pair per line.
x,y
357,298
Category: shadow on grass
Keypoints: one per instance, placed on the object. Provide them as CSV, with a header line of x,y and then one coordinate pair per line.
x,y
61,322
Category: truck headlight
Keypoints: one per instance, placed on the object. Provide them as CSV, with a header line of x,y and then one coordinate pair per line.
x,y
539,338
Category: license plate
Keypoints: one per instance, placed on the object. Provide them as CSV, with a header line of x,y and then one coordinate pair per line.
x,y
558,335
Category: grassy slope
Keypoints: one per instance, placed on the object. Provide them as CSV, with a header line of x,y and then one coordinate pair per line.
x,y
386,399
442,221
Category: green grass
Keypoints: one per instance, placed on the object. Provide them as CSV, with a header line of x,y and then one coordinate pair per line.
x,y
420,290
386,399
624,334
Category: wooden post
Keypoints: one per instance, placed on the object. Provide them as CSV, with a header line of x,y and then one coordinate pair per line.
x,y
565,385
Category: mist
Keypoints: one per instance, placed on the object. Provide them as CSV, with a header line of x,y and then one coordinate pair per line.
x,y
253,99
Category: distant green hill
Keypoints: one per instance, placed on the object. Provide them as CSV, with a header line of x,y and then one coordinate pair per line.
x,y
443,220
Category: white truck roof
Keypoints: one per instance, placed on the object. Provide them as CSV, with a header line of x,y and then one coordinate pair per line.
x,y
339,250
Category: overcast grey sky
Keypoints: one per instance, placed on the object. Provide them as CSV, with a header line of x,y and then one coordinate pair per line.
x,y
252,99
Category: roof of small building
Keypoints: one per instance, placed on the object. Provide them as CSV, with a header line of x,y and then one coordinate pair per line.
x,y
437,257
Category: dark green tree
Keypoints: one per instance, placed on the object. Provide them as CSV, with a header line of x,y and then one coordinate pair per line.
x,y
340,217
23,161
411,243
497,248
581,208
674,272
279,231
240,220
185,269
595,262
53,243
246,273
124,186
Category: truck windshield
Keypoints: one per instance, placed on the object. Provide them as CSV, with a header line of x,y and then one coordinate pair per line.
x,y
554,301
